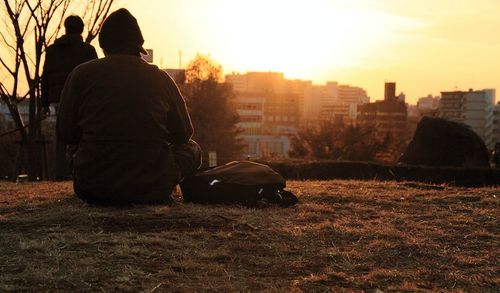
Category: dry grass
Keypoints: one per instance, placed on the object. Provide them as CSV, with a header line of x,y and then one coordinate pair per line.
x,y
343,236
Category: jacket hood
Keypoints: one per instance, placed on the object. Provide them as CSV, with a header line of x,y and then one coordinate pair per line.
x,y
68,40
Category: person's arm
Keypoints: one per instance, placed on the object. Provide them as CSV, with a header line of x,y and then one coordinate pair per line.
x,y
67,129
179,122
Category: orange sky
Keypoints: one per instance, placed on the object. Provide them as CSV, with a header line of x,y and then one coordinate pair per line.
x,y
426,46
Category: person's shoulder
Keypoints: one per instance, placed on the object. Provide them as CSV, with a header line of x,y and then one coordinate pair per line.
x,y
50,48
164,80
159,72
52,54
87,47
169,80
86,67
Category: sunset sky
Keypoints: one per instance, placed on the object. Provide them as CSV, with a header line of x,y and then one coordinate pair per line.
x,y
426,46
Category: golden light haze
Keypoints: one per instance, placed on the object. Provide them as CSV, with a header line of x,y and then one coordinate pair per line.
x,y
426,46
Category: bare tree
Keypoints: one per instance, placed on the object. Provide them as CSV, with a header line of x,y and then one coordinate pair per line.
x,y
28,26
94,15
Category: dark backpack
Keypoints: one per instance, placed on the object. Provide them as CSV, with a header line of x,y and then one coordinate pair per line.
x,y
241,182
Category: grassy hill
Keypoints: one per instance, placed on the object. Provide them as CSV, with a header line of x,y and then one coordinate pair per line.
x,y
343,236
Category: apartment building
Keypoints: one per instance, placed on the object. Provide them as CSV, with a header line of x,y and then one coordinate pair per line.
x,y
428,106
268,106
474,108
273,108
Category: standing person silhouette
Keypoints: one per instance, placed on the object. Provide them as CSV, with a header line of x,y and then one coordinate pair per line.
x,y
61,58
129,122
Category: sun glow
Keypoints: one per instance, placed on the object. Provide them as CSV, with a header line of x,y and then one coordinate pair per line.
x,y
362,42
300,38
426,46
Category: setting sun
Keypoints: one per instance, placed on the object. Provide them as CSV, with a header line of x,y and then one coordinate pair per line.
x,y
426,46
297,39
302,39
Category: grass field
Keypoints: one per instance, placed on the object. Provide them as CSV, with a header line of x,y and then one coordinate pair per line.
x,y
342,236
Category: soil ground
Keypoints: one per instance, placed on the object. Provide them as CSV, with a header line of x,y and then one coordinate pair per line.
x,y
342,236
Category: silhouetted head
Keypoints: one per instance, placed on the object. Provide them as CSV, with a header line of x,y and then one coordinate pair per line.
x,y
120,33
73,25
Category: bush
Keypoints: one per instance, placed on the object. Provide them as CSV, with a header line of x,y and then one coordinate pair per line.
x,y
326,170
331,141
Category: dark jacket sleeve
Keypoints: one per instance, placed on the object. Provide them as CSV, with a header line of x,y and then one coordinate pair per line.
x,y
67,129
179,122
45,81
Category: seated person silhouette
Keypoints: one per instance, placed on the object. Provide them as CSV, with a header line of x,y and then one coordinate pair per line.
x,y
129,123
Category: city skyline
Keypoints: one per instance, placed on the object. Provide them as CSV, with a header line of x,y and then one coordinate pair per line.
x,y
425,46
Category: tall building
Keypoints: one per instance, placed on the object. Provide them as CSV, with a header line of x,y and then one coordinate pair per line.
x,y
390,91
332,103
474,108
272,108
428,106
318,99
388,116
268,106
257,82
350,98
352,95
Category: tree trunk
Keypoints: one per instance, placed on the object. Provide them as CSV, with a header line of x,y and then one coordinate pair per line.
x,y
19,124
31,144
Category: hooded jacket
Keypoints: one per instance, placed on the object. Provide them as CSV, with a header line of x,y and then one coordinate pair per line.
x,y
60,59
124,114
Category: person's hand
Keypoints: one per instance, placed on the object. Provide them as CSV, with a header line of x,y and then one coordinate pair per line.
x,y
46,111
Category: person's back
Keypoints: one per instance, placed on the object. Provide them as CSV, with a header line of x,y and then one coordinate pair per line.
x,y
130,123
61,58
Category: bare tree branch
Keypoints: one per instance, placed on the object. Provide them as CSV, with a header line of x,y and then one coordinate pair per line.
x,y
7,67
65,5
13,110
6,42
28,27
97,18
33,10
